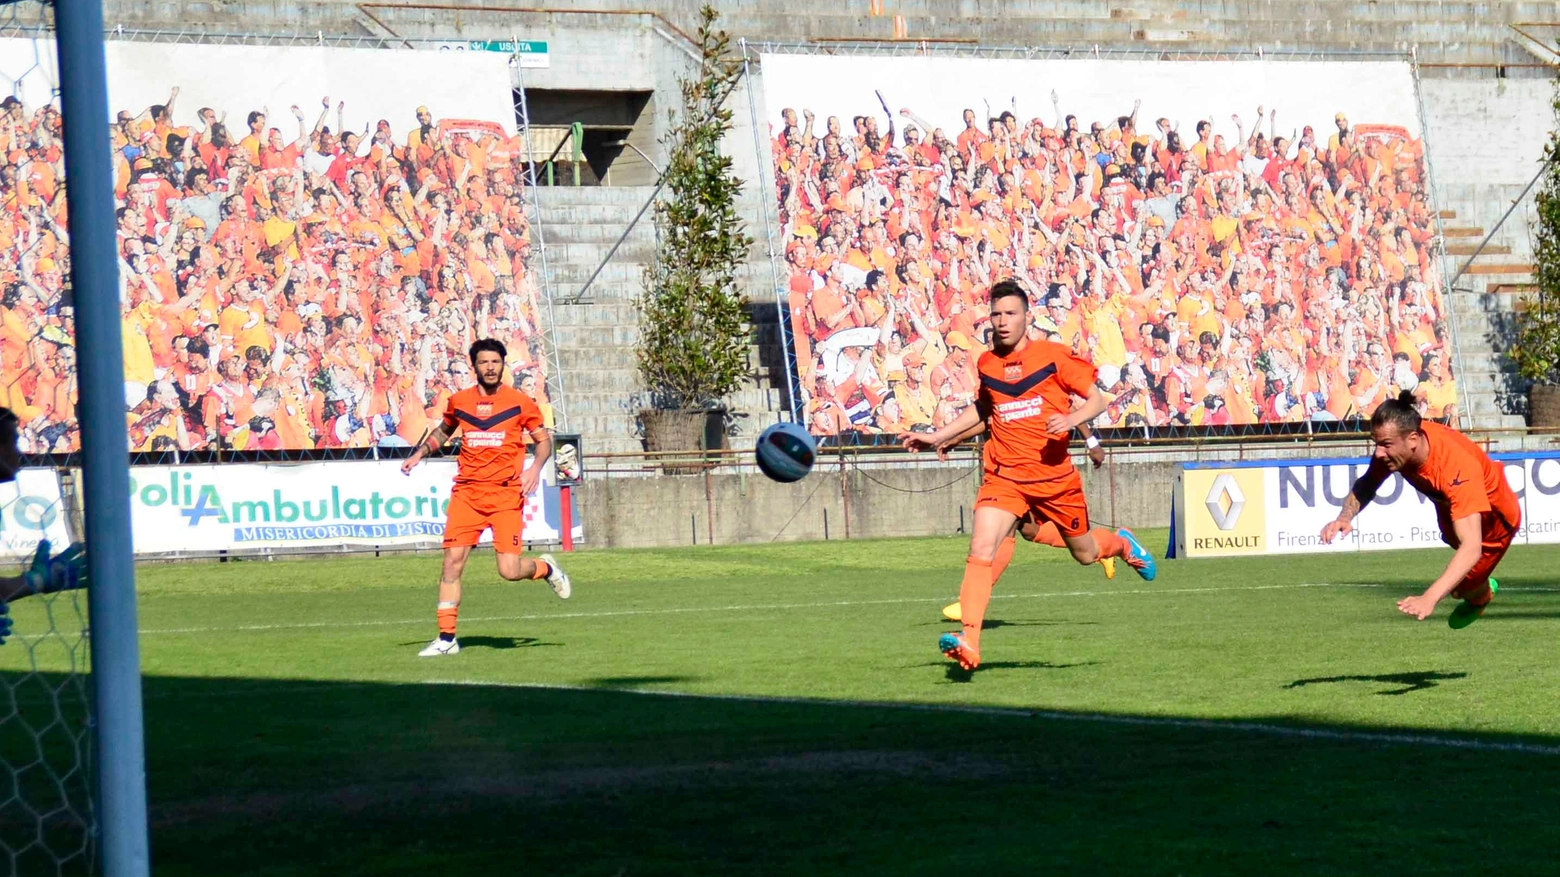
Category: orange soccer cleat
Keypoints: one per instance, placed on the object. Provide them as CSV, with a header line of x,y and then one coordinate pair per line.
x,y
956,649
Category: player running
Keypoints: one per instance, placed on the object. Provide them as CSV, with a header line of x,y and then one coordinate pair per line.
x,y
491,483
1038,532
1475,506
1025,388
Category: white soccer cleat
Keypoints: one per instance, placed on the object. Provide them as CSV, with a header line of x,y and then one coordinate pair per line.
x,y
440,647
557,578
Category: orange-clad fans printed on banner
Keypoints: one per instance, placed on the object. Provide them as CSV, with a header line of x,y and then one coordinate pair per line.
x,y
286,286
1216,278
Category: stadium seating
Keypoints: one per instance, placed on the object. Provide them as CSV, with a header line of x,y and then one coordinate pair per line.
x,y
1490,43
1446,33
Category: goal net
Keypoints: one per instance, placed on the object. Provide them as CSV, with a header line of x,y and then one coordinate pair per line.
x,y
47,820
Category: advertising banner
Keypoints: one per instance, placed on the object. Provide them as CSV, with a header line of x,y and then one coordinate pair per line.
x,y
1230,243
1280,507
309,239
243,507
32,508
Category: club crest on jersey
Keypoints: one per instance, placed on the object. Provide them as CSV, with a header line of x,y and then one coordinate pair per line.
x,y
484,408
1012,371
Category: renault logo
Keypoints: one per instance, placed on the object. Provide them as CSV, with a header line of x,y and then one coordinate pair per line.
x,y
1225,502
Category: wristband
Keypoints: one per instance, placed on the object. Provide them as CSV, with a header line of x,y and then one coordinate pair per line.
x,y
1091,442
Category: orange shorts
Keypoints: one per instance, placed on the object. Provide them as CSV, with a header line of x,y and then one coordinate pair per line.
x,y
1060,501
1497,539
1046,534
475,508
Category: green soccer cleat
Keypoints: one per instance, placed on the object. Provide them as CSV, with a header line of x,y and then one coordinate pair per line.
x,y
1466,613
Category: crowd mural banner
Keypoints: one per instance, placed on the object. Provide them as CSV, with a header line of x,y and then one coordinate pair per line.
x,y
309,238
1231,243
242,507
1281,506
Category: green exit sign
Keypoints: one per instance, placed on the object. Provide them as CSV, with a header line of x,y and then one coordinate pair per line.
x,y
532,53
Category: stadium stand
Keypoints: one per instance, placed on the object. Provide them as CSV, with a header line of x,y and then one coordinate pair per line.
x,y
1485,69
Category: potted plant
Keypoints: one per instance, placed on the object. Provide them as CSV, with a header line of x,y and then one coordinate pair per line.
x,y
1536,348
693,331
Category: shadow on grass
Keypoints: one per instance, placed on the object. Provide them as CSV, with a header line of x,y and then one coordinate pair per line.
x,y
494,642
994,623
959,674
504,642
1411,681
286,778
632,682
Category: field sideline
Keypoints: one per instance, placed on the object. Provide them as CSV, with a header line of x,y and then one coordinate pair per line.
x,y
782,709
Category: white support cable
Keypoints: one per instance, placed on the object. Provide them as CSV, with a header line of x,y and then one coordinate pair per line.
x,y
765,192
1448,294
559,399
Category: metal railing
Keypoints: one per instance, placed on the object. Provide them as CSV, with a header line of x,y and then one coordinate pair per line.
x,y
1124,449
575,140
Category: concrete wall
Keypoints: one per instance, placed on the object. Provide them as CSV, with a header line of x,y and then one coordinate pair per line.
x,y
1487,139
1444,32
922,498
856,503
1487,132
738,508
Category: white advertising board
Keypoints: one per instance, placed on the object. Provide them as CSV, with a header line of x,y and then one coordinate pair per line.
x,y
254,507
32,508
1280,507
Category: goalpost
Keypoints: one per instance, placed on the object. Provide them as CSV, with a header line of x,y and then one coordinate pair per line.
x,y
77,811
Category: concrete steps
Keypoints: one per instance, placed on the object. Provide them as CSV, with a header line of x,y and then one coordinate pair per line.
x,y
1489,295
1471,249
596,336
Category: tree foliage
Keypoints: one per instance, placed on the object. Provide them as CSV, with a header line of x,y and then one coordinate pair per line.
x,y
693,316
1537,348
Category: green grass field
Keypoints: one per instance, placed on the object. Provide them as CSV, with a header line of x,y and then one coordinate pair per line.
x,y
783,710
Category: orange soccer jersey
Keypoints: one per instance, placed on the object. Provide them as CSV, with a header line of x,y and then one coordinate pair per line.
x,y
1020,392
1459,479
492,456
1028,469
493,430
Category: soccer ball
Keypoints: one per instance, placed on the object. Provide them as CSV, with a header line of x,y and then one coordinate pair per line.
x,y
786,452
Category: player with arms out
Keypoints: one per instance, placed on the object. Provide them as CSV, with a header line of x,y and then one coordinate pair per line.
x,y
1040,532
491,483
1477,510
1025,405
